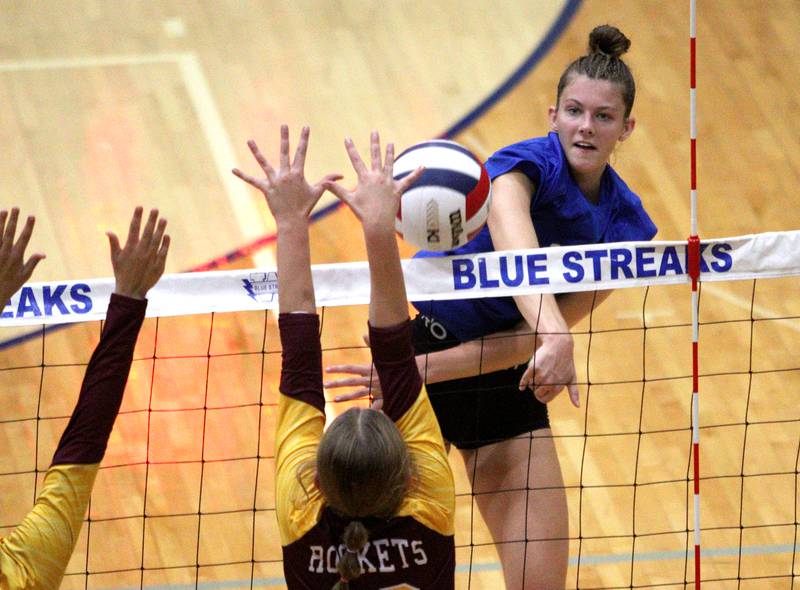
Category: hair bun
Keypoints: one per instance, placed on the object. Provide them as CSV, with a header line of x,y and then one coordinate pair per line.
x,y
609,41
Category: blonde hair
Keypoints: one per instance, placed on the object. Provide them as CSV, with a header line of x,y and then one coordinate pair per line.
x,y
363,469
354,538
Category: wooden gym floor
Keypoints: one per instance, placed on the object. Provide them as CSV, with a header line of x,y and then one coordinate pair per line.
x,y
108,105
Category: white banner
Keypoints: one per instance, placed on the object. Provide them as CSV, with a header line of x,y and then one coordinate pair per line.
x,y
515,272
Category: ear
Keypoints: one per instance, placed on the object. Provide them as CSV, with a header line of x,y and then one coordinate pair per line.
x,y
627,129
551,113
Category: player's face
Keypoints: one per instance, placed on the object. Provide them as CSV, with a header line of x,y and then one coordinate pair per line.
x,y
590,120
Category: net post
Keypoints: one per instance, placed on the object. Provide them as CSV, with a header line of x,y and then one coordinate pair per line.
x,y
693,254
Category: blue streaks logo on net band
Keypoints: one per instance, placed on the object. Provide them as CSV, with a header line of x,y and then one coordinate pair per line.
x,y
262,286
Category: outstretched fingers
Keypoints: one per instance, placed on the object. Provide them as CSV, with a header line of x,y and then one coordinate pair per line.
x,y
375,150
355,157
388,161
134,227
3,218
338,191
141,261
113,242
405,183
161,255
24,237
251,180
14,269
284,148
268,170
150,228
30,265
10,229
299,162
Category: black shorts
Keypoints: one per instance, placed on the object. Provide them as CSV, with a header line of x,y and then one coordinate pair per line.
x,y
481,410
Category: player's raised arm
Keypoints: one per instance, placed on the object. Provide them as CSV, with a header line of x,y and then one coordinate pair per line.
x,y
14,269
36,553
137,267
375,202
290,199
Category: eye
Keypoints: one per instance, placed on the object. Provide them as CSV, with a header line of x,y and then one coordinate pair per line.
x,y
604,116
572,110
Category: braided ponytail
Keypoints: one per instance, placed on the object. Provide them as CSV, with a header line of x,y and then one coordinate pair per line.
x,y
354,538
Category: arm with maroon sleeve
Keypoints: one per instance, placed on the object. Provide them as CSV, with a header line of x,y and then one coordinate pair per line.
x,y
431,501
375,202
86,435
36,553
301,404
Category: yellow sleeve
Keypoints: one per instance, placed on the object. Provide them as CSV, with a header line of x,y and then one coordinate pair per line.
x,y
300,427
36,553
432,499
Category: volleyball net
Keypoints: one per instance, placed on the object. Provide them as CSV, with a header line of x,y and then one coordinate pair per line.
x,y
185,495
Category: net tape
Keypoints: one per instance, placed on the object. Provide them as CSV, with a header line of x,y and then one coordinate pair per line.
x,y
506,273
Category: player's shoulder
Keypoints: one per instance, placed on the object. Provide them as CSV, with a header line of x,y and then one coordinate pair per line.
x,y
532,149
538,158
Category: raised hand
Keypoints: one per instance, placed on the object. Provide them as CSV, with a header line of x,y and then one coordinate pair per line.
x,y
551,369
288,193
14,269
376,198
139,265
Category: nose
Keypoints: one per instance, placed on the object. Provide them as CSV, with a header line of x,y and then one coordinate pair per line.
x,y
587,125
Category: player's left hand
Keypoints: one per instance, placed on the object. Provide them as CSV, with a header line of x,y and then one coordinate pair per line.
x,y
14,269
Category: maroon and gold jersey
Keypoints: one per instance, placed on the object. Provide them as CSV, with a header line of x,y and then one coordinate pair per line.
x,y
35,555
413,550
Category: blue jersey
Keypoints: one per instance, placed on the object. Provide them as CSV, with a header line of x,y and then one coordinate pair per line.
x,y
562,216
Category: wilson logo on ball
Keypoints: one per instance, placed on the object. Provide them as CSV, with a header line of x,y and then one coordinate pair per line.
x,y
448,205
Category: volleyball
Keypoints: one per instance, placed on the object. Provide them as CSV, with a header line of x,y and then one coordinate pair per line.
x,y
448,205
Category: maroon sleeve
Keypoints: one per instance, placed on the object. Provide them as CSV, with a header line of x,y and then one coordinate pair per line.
x,y
393,356
301,368
86,436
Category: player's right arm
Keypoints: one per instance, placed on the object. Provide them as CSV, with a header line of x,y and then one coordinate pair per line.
x,y
375,202
551,366
301,404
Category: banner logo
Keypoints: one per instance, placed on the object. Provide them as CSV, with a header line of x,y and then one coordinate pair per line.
x,y
262,286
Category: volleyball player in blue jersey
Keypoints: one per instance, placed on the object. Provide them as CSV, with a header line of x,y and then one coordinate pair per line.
x,y
35,554
547,191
